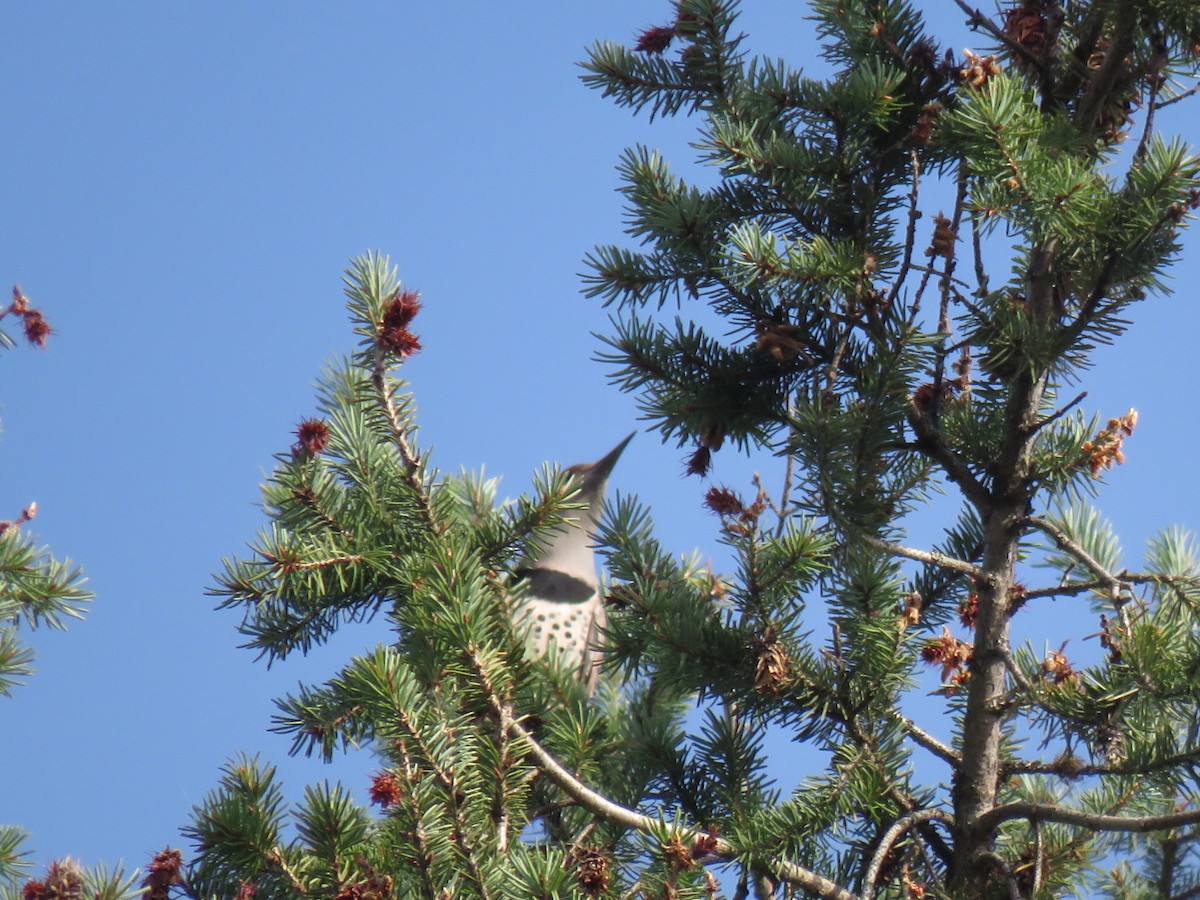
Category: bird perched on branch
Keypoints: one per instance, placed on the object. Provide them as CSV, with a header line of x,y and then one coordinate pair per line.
x,y
563,607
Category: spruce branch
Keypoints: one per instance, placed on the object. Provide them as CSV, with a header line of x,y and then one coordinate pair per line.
x,y
503,730
453,796
385,393
287,564
422,860
275,859
307,498
606,809
870,755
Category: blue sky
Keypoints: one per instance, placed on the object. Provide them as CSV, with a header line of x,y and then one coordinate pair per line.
x,y
180,188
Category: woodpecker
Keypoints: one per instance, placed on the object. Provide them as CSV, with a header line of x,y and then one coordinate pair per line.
x,y
563,607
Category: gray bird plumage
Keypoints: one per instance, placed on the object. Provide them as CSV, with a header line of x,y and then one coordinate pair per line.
x,y
563,608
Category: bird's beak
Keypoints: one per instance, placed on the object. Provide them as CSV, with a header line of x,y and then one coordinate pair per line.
x,y
598,472
604,465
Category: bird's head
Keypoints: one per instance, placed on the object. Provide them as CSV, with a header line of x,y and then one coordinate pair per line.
x,y
593,477
568,548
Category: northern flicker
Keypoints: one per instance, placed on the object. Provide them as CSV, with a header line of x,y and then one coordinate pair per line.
x,y
563,607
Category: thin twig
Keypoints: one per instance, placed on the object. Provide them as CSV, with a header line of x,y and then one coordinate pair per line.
x,y
910,230
981,278
1195,88
1058,413
1017,675
789,473
941,273
1156,83
835,364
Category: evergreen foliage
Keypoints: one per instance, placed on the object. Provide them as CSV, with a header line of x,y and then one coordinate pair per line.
x,y
899,356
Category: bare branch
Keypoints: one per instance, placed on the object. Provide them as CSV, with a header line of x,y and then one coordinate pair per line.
x,y
1080,770
1071,588
894,834
932,557
1157,80
931,442
981,278
1051,812
1069,545
924,739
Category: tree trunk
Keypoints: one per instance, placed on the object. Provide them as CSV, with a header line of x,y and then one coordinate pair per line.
x,y
975,789
1011,492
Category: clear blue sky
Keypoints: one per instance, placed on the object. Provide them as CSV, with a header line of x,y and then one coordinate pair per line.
x,y
181,185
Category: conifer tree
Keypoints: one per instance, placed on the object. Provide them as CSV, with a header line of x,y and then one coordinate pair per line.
x,y
910,264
